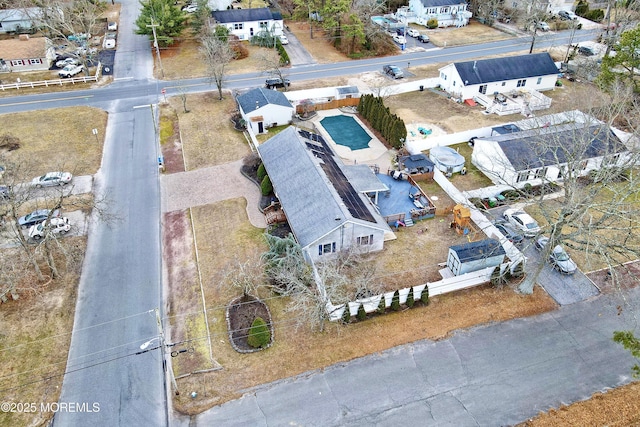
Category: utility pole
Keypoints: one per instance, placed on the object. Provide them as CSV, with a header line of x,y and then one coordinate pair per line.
x,y
162,347
155,44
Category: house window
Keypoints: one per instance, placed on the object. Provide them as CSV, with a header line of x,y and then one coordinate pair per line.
x,y
521,83
432,11
238,26
522,176
541,173
263,24
539,80
366,240
483,89
504,83
17,62
583,165
454,82
444,76
35,61
326,248
445,10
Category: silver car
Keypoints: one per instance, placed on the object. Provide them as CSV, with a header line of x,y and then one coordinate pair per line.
x,y
52,178
558,257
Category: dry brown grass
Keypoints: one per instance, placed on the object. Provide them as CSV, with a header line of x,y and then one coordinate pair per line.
x,y
33,351
61,140
469,34
319,47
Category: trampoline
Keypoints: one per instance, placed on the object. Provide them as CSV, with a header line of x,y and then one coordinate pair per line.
x,y
346,131
446,159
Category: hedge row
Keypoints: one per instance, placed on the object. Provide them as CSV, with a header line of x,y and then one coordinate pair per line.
x,y
389,125
395,305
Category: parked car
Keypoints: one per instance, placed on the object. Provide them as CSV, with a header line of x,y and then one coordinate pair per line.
x,y
393,71
66,61
413,32
284,39
112,26
400,31
565,14
109,41
522,221
400,39
542,26
192,8
36,217
586,51
52,178
78,37
71,70
276,83
558,257
56,226
84,50
423,38
509,232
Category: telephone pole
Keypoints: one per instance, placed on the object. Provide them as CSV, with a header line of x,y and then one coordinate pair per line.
x,y
155,44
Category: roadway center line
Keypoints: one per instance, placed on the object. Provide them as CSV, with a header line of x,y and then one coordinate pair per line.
x,y
46,100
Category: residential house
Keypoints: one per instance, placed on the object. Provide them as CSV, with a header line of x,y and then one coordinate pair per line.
x,y
324,200
26,54
264,108
464,80
548,152
219,4
474,256
19,20
246,23
447,12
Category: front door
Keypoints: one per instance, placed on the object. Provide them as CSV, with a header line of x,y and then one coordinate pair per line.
x,y
260,127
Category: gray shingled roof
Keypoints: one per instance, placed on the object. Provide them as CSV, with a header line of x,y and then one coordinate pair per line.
x,y
259,97
242,15
478,250
556,145
436,3
345,90
507,68
311,203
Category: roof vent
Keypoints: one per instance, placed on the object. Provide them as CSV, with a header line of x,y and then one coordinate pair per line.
x,y
23,37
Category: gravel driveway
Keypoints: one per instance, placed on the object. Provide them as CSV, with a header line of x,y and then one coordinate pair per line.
x,y
209,185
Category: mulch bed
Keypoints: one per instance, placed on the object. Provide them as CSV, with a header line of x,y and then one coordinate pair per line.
x,y
240,316
627,275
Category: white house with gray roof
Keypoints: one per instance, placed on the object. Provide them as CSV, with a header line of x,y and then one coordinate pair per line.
x,y
264,108
447,12
571,142
246,23
324,200
464,80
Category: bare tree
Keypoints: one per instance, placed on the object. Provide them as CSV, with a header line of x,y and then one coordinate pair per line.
x,y
214,48
271,64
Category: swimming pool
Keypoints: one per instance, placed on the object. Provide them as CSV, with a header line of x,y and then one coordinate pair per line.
x,y
346,131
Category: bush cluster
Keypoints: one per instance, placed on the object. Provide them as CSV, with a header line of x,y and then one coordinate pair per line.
x,y
389,125
259,334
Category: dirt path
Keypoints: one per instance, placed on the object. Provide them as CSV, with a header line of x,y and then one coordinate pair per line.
x,y
209,185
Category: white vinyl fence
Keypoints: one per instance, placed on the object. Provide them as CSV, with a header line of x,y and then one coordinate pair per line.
x,y
54,82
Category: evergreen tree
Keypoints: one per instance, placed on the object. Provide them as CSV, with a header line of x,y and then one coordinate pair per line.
x,y
168,19
382,305
424,297
259,334
410,300
362,315
346,314
395,301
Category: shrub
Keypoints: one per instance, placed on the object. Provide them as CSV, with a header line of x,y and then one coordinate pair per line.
x,y
518,271
259,334
432,23
410,299
240,51
497,278
395,301
595,15
361,313
346,314
266,186
425,295
262,172
582,8
382,305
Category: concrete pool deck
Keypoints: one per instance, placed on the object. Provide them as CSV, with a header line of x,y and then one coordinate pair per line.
x,y
375,154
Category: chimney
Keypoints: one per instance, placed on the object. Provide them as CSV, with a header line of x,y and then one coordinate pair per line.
x,y
23,37
257,105
474,64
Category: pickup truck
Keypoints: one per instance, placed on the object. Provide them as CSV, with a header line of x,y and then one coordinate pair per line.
x,y
71,70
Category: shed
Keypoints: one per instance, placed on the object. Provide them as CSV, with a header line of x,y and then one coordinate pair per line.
x,y
475,256
416,164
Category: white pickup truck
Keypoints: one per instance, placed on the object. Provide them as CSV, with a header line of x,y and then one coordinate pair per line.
x,y
71,70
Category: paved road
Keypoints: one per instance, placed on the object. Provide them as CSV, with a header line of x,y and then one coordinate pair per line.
x,y
494,375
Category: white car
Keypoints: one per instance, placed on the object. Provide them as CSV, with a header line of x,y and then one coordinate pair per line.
x,y
112,26
52,178
56,226
284,39
192,8
522,221
109,41
558,257
543,26
67,61
413,32
71,70
400,39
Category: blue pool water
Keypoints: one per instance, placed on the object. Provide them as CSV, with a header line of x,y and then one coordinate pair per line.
x,y
346,131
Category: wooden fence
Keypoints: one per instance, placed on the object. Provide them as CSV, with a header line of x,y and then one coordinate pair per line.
x,y
336,103
55,82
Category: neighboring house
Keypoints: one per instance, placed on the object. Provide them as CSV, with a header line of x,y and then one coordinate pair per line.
x,y
447,12
246,23
264,108
545,154
219,4
26,54
19,20
324,201
464,80
474,256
